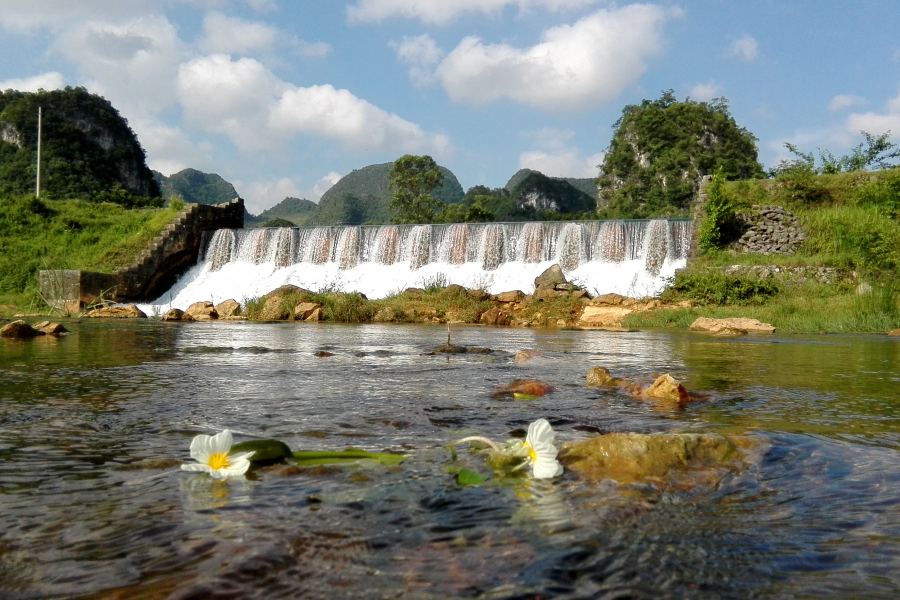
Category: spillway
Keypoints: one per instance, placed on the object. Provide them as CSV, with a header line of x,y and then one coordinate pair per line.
x,y
633,258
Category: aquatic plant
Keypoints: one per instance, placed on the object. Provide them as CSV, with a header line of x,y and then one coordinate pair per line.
x,y
212,455
538,450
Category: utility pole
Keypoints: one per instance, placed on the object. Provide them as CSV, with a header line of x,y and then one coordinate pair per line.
x,y
37,185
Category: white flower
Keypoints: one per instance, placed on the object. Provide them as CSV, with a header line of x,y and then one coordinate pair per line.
x,y
211,454
541,451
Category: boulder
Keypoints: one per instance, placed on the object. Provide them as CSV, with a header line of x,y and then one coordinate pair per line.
x,y
494,316
385,315
600,376
305,309
175,314
544,293
413,291
48,328
637,457
286,290
894,332
273,310
603,315
202,311
315,316
550,278
19,330
741,323
477,295
117,312
455,289
665,388
228,308
513,296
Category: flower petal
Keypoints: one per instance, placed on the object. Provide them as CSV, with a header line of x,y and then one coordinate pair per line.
x,y
240,456
200,448
236,468
545,468
221,442
540,432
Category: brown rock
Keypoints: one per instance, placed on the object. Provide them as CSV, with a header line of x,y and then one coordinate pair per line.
x,y
579,294
117,312
742,323
523,356
544,293
49,328
729,332
603,315
314,316
513,296
665,388
636,457
305,309
202,311
494,316
175,314
228,308
549,278
894,332
286,290
19,330
455,289
272,310
385,315
526,387
413,291
598,376
41,324
610,299
477,295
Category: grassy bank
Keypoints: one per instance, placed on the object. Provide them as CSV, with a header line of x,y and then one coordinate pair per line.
x,y
68,234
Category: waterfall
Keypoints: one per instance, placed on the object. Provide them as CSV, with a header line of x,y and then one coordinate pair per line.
x,y
632,258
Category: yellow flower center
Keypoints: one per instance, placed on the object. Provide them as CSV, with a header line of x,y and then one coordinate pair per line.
x,y
218,461
532,454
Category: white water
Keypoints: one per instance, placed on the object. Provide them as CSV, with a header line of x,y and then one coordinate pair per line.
x,y
633,258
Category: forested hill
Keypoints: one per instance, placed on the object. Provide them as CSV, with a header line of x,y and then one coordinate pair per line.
x,y
196,187
87,147
364,196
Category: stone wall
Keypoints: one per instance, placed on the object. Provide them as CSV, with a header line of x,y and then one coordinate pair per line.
x,y
170,254
794,274
769,230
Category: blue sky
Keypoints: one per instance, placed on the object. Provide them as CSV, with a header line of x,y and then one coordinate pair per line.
x,y
282,98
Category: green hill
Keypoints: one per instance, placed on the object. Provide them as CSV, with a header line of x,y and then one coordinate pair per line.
x,y
529,188
363,196
86,146
296,210
196,187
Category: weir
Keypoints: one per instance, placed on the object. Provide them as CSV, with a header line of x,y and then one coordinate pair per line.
x,y
628,257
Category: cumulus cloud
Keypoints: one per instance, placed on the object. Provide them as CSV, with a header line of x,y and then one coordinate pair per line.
x,y
262,5
745,48
323,185
575,66
230,35
245,101
263,194
441,12
46,81
170,149
704,92
27,15
875,123
421,53
845,101
556,156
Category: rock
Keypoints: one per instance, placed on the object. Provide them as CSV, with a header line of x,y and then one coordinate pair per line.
x,y
894,333
273,310
19,330
549,278
579,294
863,289
175,314
666,388
228,308
455,289
513,296
286,290
544,293
49,328
117,312
729,332
413,292
315,316
636,457
494,316
741,323
523,356
305,309
525,387
202,311
599,376
323,354
477,295
603,315
385,315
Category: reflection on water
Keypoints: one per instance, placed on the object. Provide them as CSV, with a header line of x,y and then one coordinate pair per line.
x,y
89,420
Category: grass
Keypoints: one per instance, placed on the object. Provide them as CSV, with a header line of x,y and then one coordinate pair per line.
x,y
67,234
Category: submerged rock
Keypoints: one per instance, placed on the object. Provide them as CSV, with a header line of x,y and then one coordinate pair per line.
x,y
523,356
666,388
600,376
19,330
735,323
636,457
451,349
525,387
117,312
48,328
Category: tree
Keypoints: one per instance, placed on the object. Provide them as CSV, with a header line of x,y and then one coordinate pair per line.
x,y
875,153
413,178
661,150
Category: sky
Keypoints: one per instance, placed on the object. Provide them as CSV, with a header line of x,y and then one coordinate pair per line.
x,y
282,98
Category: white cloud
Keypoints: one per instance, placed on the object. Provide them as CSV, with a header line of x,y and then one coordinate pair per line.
x,y
263,194
871,122
745,48
170,149
323,185
845,101
575,66
245,101
26,15
556,157
230,35
441,12
704,92
421,53
262,5
45,81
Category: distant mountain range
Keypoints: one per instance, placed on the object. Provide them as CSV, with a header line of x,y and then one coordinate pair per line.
x,y
363,196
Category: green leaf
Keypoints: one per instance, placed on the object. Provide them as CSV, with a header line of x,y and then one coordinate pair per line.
x,y
328,457
518,396
469,477
264,451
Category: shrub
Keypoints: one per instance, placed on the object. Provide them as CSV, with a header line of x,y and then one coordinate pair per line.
x,y
719,225
715,287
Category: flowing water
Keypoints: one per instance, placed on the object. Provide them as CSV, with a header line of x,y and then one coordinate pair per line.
x,y
633,258
88,421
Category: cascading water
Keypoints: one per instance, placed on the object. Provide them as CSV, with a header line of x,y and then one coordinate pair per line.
x,y
632,258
